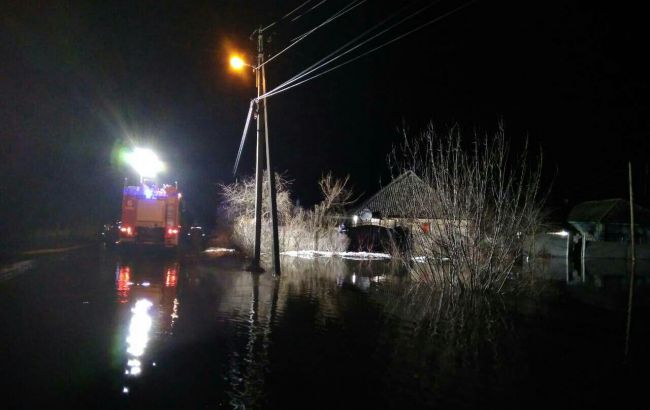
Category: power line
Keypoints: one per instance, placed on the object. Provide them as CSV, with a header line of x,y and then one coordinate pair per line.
x,y
312,8
320,64
344,10
289,14
296,9
276,91
243,137
336,15
324,61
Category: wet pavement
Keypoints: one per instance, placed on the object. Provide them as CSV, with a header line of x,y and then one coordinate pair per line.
x,y
93,328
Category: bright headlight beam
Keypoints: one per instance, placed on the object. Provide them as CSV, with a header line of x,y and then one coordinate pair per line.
x,y
145,162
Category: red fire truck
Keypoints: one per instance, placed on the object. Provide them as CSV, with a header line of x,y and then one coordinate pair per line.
x,y
150,215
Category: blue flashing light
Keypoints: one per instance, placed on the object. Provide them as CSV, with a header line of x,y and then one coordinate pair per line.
x,y
148,192
145,191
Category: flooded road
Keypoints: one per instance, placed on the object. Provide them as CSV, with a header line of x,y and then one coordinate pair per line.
x,y
91,328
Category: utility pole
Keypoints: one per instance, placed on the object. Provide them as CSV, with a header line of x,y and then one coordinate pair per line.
x,y
269,165
631,266
259,170
260,83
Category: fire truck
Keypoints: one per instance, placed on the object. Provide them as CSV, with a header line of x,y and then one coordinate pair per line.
x,y
150,215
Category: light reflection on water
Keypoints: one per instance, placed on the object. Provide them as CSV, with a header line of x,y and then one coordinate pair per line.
x,y
357,322
139,330
326,334
149,289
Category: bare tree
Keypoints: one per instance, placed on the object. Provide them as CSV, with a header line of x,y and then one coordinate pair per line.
x,y
483,201
299,228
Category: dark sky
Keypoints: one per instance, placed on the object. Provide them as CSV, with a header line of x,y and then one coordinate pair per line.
x,y
79,79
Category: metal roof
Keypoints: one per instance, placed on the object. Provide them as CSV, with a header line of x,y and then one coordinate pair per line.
x,y
608,211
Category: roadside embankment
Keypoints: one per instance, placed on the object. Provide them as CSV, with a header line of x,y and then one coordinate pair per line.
x,y
18,259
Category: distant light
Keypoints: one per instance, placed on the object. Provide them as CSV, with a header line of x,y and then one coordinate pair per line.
x,y
145,162
560,233
355,219
125,390
237,63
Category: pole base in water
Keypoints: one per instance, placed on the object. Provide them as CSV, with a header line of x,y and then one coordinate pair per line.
x,y
254,268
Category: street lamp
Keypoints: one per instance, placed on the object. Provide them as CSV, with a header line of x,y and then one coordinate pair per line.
x,y
237,63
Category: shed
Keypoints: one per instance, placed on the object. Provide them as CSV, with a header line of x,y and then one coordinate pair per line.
x,y
608,220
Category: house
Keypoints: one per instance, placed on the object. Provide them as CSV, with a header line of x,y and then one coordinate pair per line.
x,y
403,203
402,208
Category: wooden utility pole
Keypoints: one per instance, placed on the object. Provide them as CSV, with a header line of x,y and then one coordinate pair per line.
x,y
272,192
632,261
260,83
259,169
629,169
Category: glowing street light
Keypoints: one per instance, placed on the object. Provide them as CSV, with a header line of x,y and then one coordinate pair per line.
x,y
145,162
237,63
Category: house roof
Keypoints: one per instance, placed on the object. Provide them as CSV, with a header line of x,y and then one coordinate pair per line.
x,y
406,196
608,211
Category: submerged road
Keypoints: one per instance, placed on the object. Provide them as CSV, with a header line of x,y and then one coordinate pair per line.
x,y
97,328
91,328
94,328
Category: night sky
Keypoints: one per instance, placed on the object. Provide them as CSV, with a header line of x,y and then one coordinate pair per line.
x,y
78,80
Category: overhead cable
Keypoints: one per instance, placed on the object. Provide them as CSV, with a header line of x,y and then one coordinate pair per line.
x,y
312,8
243,137
324,61
344,10
296,9
285,16
337,14
277,91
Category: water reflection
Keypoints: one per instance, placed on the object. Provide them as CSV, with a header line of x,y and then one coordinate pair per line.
x,y
265,304
357,328
247,374
123,282
147,288
602,283
608,274
291,333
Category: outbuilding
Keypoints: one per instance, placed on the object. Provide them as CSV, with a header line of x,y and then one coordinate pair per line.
x,y
604,226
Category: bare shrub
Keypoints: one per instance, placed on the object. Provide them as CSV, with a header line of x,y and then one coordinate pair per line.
x,y
298,228
482,203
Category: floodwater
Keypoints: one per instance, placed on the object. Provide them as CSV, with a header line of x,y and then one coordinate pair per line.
x,y
93,329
